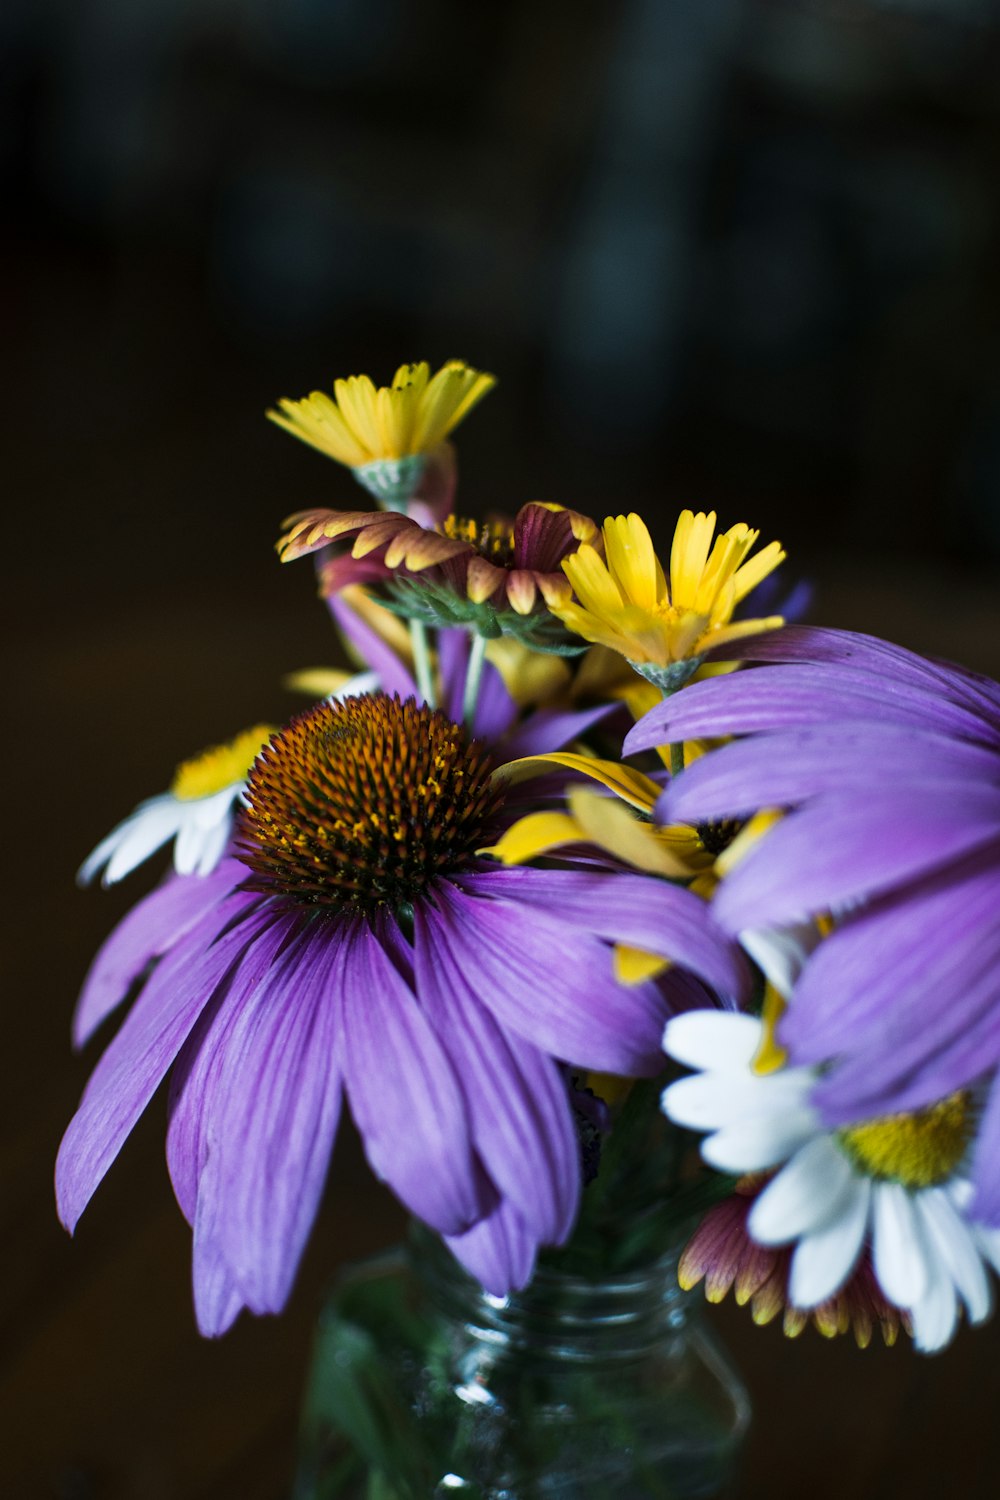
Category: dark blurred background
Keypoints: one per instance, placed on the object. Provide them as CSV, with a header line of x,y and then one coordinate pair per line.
x,y
738,254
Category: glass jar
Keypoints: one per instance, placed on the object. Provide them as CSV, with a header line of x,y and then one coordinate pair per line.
x,y
423,1384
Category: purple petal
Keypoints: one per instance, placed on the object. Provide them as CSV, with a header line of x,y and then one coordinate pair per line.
x,y
135,1061
404,1095
217,1301
626,908
548,982
150,928
796,697
522,1124
986,1204
271,1104
374,651
882,659
495,708
842,847
902,985
551,729
499,1251
779,770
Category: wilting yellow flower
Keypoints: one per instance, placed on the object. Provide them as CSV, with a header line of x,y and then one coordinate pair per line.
x,y
364,423
663,631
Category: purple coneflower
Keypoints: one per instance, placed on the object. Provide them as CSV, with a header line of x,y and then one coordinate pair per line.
x,y
360,944
889,767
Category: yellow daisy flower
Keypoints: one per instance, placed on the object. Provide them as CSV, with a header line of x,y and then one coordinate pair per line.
x,y
664,630
384,433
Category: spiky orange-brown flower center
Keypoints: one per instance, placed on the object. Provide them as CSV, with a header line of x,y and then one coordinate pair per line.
x,y
363,803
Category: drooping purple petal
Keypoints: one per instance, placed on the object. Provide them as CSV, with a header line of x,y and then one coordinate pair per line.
x,y
549,982
375,652
842,847
404,1095
217,1301
137,1058
153,926
627,908
516,1097
273,1112
499,1251
779,770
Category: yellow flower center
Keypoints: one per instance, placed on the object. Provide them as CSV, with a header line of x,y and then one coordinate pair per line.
x,y
363,803
220,765
917,1149
493,540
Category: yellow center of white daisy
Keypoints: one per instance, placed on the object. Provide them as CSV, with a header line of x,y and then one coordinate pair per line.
x,y
220,765
917,1149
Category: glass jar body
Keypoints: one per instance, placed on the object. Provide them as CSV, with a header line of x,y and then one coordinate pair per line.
x,y
423,1384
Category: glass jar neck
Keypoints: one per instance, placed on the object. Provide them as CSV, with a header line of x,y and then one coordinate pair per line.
x,y
610,1316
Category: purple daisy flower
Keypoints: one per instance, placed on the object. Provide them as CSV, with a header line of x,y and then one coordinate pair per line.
x,y
889,767
359,945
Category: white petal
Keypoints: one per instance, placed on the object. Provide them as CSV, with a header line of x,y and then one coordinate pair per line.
x,y
955,1245
935,1316
710,1101
206,811
213,846
804,1196
781,952
356,686
715,1039
900,1254
150,826
825,1259
753,1145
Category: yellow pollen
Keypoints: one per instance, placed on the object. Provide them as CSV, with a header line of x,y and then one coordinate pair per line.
x,y
493,540
220,765
917,1149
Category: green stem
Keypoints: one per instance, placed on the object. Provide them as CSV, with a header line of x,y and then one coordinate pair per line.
x,y
677,758
473,677
422,661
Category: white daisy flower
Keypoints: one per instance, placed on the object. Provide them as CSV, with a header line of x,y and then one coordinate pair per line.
x,y
197,812
895,1184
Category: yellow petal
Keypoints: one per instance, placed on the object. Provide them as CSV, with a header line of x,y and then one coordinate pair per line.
x,y
533,835
631,559
609,824
631,785
318,682
594,586
634,966
692,538
744,841
529,676
769,1056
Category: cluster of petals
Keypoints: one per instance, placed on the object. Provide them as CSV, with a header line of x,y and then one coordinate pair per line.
x,y
724,1256
928,1255
363,423
623,599
447,1035
519,575
888,765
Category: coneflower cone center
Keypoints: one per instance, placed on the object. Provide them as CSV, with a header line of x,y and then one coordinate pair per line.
x,y
917,1149
363,803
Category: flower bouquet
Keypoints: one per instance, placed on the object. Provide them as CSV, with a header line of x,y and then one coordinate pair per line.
x,y
724,1010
